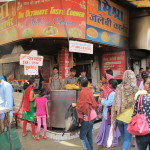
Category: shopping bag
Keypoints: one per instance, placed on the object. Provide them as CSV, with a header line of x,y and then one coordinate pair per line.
x,y
5,141
139,124
110,137
71,120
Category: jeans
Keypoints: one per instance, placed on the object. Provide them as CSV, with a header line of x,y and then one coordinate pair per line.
x,y
86,134
126,137
143,141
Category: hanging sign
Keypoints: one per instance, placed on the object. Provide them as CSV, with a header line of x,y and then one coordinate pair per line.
x,y
80,47
31,62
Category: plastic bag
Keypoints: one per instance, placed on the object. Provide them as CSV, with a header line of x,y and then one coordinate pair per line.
x,y
71,120
110,137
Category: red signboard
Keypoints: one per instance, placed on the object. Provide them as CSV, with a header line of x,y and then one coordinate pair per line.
x,y
42,18
115,61
8,22
51,18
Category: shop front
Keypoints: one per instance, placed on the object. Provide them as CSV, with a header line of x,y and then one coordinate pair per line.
x,y
50,28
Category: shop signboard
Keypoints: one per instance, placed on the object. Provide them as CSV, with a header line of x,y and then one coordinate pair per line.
x,y
107,23
31,62
8,22
80,47
51,18
115,61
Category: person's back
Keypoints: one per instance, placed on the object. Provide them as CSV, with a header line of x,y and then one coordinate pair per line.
x,y
41,106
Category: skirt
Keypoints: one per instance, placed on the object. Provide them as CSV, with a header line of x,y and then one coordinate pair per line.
x,y
29,115
102,136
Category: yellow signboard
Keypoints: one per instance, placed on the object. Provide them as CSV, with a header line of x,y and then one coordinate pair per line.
x,y
107,22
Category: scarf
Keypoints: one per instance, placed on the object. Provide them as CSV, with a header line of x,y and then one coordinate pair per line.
x,y
125,93
85,103
26,99
105,86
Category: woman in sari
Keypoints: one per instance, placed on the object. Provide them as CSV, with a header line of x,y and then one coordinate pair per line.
x,y
102,136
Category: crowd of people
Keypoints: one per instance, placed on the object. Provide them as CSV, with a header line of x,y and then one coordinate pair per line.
x,y
119,103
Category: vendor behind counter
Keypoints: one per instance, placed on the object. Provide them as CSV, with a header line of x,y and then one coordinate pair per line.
x,y
71,79
55,81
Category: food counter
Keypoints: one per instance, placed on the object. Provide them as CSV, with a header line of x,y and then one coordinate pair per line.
x,y
59,102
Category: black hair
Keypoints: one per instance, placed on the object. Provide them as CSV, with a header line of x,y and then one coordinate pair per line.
x,y
83,71
84,82
41,92
146,79
72,70
147,68
25,85
141,69
28,83
114,83
109,71
144,74
55,68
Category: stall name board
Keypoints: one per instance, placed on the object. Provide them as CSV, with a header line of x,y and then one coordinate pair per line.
x,y
31,62
43,18
80,47
108,23
115,61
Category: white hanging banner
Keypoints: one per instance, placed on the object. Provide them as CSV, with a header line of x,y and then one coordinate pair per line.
x,y
80,47
31,62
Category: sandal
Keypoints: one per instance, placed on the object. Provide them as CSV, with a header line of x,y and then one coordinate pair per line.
x,y
36,138
24,134
44,137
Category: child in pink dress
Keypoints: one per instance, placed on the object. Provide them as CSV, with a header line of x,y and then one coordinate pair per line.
x,y
41,113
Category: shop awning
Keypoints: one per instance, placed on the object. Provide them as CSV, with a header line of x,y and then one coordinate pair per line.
x,y
15,57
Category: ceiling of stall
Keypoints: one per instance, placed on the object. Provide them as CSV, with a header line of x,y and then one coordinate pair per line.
x,y
129,4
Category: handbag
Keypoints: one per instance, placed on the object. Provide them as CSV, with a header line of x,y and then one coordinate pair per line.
x,y
5,141
139,124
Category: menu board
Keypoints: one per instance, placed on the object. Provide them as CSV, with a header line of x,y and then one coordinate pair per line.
x,y
107,23
115,61
51,18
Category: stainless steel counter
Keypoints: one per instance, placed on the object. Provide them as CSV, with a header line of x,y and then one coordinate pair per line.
x,y
60,100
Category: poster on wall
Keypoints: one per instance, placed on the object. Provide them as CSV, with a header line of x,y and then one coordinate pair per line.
x,y
115,61
64,63
51,18
107,23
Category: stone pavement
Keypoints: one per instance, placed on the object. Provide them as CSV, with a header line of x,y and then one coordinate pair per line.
x,y
29,144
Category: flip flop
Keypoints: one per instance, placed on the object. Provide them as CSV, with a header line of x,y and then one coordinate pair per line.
x,y
44,137
36,138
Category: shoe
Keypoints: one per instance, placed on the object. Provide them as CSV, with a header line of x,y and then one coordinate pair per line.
x,y
44,137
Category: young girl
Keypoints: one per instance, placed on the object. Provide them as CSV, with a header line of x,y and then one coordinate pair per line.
x,y
103,133
41,113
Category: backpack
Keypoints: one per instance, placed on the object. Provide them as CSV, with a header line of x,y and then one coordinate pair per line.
x,y
71,120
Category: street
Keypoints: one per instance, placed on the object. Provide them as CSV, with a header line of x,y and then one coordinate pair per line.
x,y
29,144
